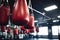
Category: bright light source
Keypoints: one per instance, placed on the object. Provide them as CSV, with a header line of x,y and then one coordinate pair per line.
x,y
55,20
54,30
35,21
58,16
43,31
59,29
49,8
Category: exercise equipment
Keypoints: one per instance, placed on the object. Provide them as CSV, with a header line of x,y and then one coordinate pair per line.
x,y
22,28
8,30
15,31
20,14
4,13
37,29
3,28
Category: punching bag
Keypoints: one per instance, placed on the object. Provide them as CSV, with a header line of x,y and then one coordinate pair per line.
x,y
31,30
27,31
22,28
30,25
20,14
3,28
31,22
4,14
8,30
37,29
15,31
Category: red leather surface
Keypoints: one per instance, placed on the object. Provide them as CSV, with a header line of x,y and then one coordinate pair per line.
x,y
37,29
8,30
27,31
15,31
22,28
31,22
20,15
3,28
4,15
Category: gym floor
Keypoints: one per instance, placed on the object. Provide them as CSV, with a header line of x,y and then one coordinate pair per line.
x,y
38,39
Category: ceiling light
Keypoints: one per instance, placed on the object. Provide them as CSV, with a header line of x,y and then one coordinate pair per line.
x,y
55,20
49,8
35,21
58,16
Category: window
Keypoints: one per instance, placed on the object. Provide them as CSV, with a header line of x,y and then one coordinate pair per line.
x,y
43,31
59,29
55,30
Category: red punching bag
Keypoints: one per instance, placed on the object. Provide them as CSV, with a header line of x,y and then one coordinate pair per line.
x,y
20,14
4,14
37,29
22,28
3,28
30,25
15,31
31,22
27,31
8,30
31,30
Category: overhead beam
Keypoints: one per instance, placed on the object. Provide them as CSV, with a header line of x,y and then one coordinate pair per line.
x,y
38,12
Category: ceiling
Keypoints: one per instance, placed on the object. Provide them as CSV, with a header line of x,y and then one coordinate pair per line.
x,y
41,4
